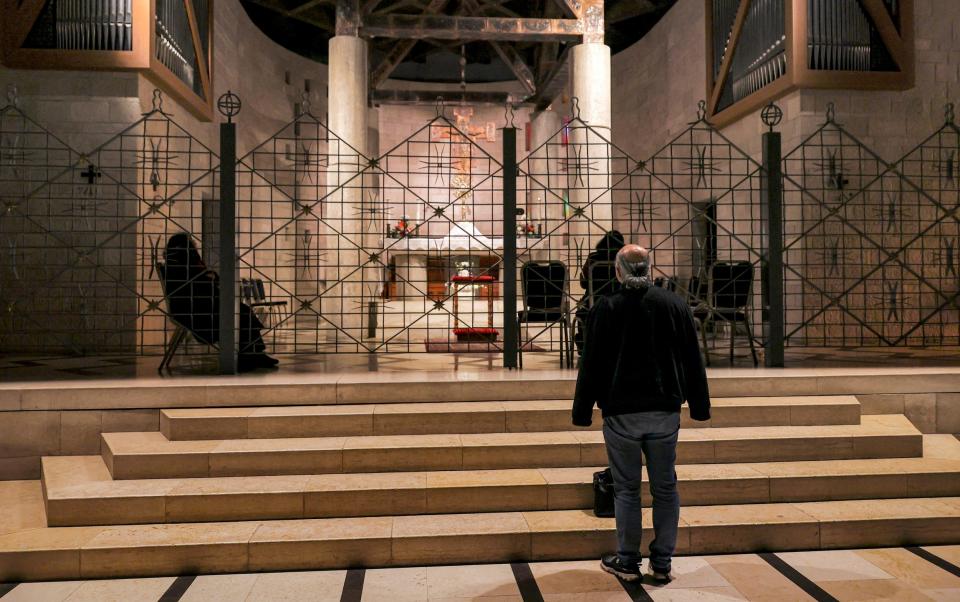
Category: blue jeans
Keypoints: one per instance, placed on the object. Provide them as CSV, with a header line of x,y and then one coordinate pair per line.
x,y
654,435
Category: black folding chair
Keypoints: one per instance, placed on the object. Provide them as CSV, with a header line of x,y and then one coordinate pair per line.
x,y
601,280
729,297
180,331
544,289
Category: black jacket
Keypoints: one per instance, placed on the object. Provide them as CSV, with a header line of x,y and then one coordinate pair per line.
x,y
641,355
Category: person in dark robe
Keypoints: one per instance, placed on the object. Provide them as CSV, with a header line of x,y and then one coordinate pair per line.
x,y
605,281
193,292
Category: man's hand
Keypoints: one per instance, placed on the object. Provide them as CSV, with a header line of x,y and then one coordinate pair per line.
x,y
582,414
700,416
581,422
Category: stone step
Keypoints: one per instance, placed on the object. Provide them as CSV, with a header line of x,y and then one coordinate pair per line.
x,y
252,546
286,388
79,490
151,455
474,417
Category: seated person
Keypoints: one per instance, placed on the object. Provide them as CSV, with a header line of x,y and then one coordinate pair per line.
x,y
606,250
193,291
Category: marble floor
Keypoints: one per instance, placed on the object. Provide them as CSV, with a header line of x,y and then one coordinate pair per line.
x,y
901,574
14,368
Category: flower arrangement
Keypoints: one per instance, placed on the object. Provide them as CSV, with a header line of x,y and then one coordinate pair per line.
x,y
530,230
402,228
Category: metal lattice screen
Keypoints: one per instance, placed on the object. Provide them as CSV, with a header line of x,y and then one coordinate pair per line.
x,y
83,231
695,204
870,246
343,253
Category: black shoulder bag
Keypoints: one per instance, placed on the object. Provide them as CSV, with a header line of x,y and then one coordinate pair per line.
x,y
603,494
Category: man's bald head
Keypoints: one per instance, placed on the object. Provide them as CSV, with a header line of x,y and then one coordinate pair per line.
x,y
634,253
633,266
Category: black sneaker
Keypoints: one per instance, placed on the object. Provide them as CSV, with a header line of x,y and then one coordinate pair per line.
x,y
612,564
661,577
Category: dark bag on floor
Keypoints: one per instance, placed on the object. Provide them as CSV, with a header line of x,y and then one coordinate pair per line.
x,y
603,494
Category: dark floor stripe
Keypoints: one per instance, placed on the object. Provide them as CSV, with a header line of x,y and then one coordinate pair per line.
x,y
353,585
635,590
6,588
179,587
811,588
934,559
529,590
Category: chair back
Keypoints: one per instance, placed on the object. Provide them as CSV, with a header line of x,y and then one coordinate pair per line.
x,y
259,292
247,290
544,285
601,280
731,282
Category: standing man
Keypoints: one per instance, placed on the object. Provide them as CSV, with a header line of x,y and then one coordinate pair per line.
x,y
640,363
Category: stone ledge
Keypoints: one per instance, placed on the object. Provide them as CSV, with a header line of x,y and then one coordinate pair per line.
x,y
497,385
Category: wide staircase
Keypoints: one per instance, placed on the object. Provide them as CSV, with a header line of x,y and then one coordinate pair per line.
x,y
392,484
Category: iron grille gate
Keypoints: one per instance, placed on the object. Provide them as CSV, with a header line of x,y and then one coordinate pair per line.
x,y
870,247
340,252
83,232
695,204
344,253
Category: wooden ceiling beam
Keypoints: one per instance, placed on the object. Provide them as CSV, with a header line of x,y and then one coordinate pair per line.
x,y
552,82
545,54
400,51
370,5
443,27
509,55
348,18
571,6
309,5
430,97
592,19
278,7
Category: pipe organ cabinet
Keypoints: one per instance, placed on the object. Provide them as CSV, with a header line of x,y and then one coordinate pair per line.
x,y
170,41
759,50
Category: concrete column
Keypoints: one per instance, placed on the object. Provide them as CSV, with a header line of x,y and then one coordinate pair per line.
x,y
590,151
545,188
345,305
591,83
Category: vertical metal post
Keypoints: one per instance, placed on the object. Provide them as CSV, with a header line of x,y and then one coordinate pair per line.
x,y
509,271
771,190
228,253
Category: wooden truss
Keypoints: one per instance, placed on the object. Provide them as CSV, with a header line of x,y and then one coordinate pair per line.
x,y
557,25
899,43
20,17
